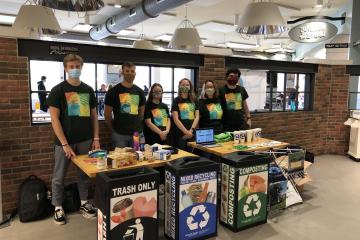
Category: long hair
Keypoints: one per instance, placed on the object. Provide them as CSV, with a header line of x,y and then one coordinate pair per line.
x,y
203,94
191,92
150,98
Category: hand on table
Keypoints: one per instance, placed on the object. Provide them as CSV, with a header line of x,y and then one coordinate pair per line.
x,y
68,151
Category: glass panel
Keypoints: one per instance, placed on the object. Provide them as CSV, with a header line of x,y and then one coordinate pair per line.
x,y
167,99
354,101
301,101
278,85
290,100
142,78
255,84
53,71
180,73
163,76
38,115
278,101
301,84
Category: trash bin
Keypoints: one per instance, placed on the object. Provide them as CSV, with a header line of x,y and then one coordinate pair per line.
x,y
191,198
127,202
244,185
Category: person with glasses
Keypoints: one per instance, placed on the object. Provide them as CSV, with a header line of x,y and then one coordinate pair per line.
x,y
157,118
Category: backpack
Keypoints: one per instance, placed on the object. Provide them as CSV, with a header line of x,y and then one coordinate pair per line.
x,y
33,200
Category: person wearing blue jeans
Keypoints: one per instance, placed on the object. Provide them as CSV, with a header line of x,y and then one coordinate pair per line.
x,y
126,102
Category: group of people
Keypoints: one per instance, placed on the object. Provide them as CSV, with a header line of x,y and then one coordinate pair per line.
x,y
74,119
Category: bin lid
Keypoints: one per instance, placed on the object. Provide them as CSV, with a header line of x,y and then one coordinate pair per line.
x,y
121,174
191,162
245,159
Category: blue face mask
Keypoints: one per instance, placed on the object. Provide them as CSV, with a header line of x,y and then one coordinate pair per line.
x,y
74,73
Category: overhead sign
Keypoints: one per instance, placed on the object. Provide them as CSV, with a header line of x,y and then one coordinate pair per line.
x,y
337,45
313,32
58,49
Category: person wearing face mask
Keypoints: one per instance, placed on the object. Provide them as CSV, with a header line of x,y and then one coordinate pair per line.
x,y
74,120
185,113
210,108
233,99
126,102
157,118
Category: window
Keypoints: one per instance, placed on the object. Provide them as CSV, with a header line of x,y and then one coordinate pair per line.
x,y
354,93
100,77
277,91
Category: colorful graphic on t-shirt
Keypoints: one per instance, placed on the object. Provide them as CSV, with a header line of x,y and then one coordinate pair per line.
x,y
160,117
129,103
78,104
187,111
233,101
215,111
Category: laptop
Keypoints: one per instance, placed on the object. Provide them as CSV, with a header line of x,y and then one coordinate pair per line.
x,y
205,137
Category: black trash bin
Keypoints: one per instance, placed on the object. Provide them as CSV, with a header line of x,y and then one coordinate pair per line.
x,y
191,198
127,202
244,187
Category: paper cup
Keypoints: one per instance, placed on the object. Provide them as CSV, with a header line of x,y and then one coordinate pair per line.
x,y
236,137
256,134
249,134
242,136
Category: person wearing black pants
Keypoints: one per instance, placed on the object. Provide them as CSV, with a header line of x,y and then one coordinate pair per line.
x,y
185,113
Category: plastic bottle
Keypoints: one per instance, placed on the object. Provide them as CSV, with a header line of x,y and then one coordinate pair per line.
x,y
142,142
185,199
136,141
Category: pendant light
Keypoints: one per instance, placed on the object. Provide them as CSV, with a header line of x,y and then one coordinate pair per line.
x,y
142,43
261,18
185,36
38,19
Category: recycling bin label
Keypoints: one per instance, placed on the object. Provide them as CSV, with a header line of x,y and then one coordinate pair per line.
x,y
277,195
197,205
133,211
170,208
227,209
252,195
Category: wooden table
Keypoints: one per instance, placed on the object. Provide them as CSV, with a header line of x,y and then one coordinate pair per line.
x,y
91,169
262,144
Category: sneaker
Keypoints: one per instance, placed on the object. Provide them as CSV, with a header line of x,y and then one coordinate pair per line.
x,y
59,217
88,210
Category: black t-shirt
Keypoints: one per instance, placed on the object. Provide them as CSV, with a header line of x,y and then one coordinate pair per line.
x,y
159,115
211,114
232,103
75,104
126,103
186,110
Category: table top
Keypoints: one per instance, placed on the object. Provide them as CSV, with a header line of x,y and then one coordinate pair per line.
x,y
91,169
262,144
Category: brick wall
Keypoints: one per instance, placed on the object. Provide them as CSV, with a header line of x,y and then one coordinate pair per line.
x,y
26,149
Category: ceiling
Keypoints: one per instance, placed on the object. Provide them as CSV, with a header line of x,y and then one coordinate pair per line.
x,y
199,11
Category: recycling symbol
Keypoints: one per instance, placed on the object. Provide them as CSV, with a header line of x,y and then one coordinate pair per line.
x,y
190,221
252,212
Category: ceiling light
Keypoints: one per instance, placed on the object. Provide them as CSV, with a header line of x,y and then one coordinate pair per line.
x,y
117,6
164,37
37,19
238,45
125,32
7,19
143,44
319,4
261,18
81,27
216,26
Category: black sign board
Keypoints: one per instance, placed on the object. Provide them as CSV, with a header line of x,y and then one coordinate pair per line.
x,y
337,45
